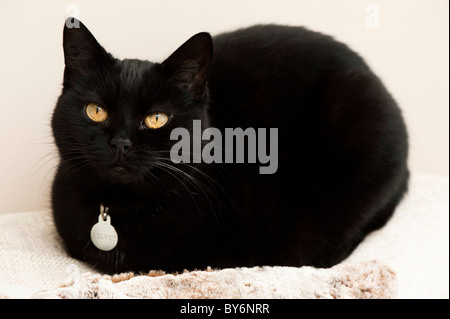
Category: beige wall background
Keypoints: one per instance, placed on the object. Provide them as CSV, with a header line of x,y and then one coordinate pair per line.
x,y
405,42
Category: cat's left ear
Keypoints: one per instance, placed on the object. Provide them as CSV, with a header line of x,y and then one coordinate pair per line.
x,y
189,65
82,52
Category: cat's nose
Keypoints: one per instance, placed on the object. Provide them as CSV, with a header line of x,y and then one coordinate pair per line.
x,y
120,146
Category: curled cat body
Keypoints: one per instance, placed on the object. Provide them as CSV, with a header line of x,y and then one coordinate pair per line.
x,y
338,158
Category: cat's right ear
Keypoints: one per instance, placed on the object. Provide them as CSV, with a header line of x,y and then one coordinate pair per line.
x,y
189,65
81,49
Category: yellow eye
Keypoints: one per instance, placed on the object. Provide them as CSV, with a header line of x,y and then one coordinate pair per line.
x,y
156,120
96,112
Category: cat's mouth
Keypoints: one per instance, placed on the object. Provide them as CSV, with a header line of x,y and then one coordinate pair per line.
x,y
119,169
121,173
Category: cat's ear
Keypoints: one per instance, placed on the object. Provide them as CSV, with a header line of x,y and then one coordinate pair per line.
x,y
81,49
189,65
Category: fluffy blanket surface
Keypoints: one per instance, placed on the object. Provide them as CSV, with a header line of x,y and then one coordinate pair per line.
x,y
364,280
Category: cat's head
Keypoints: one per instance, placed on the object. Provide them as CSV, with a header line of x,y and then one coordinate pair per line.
x,y
114,117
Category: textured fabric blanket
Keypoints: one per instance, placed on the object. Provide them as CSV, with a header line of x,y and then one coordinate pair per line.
x,y
364,280
414,245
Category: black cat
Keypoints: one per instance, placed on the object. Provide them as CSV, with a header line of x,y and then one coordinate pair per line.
x,y
341,160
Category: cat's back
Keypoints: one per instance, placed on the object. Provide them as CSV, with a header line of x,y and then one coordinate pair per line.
x,y
265,65
279,51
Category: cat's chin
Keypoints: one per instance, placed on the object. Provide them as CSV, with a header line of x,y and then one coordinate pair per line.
x,y
119,174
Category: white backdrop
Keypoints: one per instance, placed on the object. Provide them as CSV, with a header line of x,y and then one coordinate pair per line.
x,y
404,41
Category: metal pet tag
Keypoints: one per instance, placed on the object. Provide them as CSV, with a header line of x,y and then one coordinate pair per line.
x,y
103,234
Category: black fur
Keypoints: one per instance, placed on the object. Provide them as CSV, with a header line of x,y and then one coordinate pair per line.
x,y
342,152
